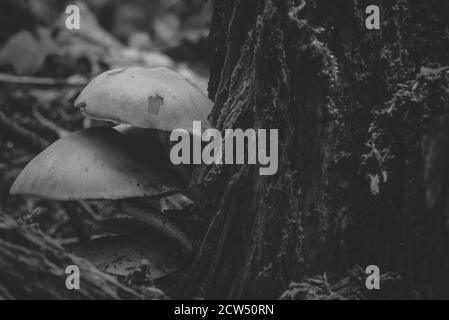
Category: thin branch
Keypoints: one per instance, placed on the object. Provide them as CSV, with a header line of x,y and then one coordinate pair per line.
x,y
19,133
91,213
61,132
34,81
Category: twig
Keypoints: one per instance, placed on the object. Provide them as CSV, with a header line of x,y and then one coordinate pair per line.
x,y
21,160
61,132
17,132
89,211
33,81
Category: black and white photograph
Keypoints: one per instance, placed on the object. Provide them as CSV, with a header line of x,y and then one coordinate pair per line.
x,y
229,157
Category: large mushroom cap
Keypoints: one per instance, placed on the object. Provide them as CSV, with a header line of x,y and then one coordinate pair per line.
x,y
156,98
97,163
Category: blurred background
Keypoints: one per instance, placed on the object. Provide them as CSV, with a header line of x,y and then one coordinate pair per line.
x,y
44,66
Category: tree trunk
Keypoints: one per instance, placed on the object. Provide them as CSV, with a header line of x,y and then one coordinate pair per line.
x,y
353,108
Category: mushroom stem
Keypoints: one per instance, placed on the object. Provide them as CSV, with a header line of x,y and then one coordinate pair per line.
x,y
159,221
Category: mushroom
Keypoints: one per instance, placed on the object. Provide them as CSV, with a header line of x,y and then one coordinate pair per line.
x,y
129,163
97,163
119,253
148,98
156,98
102,163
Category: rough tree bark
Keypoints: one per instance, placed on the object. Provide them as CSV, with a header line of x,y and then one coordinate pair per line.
x,y
352,107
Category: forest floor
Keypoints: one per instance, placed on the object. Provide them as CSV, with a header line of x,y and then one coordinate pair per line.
x,y
43,68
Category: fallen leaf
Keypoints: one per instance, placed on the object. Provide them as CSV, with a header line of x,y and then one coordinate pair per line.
x,y
26,52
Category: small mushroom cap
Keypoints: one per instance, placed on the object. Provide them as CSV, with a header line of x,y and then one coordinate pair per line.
x,y
97,163
156,98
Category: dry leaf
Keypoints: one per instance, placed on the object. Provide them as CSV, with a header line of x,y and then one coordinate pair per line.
x,y
26,52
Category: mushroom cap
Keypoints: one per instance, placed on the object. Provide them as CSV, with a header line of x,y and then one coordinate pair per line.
x,y
98,163
123,254
156,98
